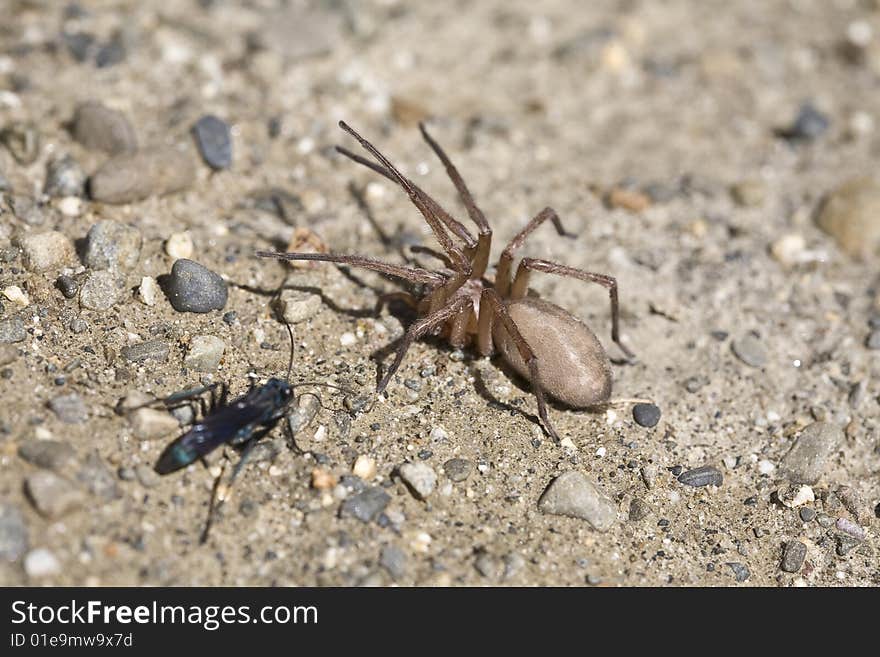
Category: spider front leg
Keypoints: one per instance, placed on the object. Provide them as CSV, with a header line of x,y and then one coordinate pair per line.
x,y
492,307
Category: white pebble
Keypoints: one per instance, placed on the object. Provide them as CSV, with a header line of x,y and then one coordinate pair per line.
x,y
347,339
40,562
600,452
148,291
804,495
789,249
766,467
70,206
179,245
16,295
364,467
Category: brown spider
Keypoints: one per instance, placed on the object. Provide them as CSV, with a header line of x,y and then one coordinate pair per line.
x,y
548,346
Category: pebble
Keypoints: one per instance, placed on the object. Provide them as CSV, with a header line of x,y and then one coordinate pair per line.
x,y
705,475
298,306
101,290
23,142
70,409
151,349
136,176
192,287
26,210
488,566
366,505
204,353
44,251
789,249
146,475
809,124
419,477
639,509
305,411
649,475
112,245
740,571
793,556
148,291
322,479
851,215
52,495
873,340
845,544
12,330
97,127
825,521
854,503
151,423
13,533
40,562
16,295
458,470
628,199
806,460
68,286
364,467
214,140
807,514
64,177
393,559
749,193
98,478
646,415
50,454
180,245
794,496
573,494
847,526
750,350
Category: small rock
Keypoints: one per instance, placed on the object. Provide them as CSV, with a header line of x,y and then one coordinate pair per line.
x,y
366,505
646,415
68,286
26,210
204,354
847,526
364,467
628,199
40,562
100,128
13,533
52,495
148,291
419,477
179,245
16,295
191,287
806,461
44,251
214,140
573,494
873,340
101,290
639,510
851,215
70,409
846,544
111,53
789,249
151,349
151,423
854,503
749,193
740,571
794,495
64,177
306,408
649,475
706,475
298,306
793,557
98,478
50,454
809,124
146,475
513,563
458,470
807,514
322,479
136,176
393,559
488,566
23,142
12,330
112,245
750,350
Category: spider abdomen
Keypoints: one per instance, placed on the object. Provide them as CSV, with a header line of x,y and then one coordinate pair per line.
x,y
572,364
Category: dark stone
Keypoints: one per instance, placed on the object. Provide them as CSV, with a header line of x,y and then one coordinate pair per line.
x,y
50,454
793,557
192,287
155,349
64,177
809,124
706,475
214,141
646,415
740,571
68,286
365,506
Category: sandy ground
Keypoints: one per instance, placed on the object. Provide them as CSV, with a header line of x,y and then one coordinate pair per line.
x,y
551,103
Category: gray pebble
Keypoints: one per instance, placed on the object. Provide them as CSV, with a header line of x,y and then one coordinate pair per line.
x,y
297,306
393,559
146,475
859,389
26,210
825,521
849,527
793,557
78,325
646,415
98,478
854,503
111,53
695,383
873,340
806,461
214,141
101,290
70,409
45,251
135,176
573,494
513,563
192,287
306,408
23,142
488,566
50,454
649,475
846,544
150,350
740,571
100,128
68,286
204,354
126,474
64,177
12,330
807,514
13,533
366,505
51,495
750,350
639,509
419,477
809,124
458,470
706,475
112,245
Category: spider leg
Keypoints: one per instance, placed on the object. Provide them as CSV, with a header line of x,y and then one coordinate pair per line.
x,y
417,330
414,274
527,265
492,307
502,276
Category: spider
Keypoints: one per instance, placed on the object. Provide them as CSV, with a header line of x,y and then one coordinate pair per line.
x,y
552,349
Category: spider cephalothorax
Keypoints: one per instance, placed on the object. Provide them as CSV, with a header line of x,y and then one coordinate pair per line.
x,y
555,351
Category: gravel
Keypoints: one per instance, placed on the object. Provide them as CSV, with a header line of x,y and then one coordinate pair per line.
x,y
13,533
70,408
192,287
873,340
214,140
100,128
646,415
851,215
157,350
808,457
366,505
809,124
204,353
847,526
135,176
846,544
298,306
393,559
793,556
52,495
458,470
64,177
740,571
419,477
573,494
705,475
27,210
98,478
68,286
306,408
152,423
50,454
112,245
101,290
41,562
807,514
854,503
45,251
750,350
